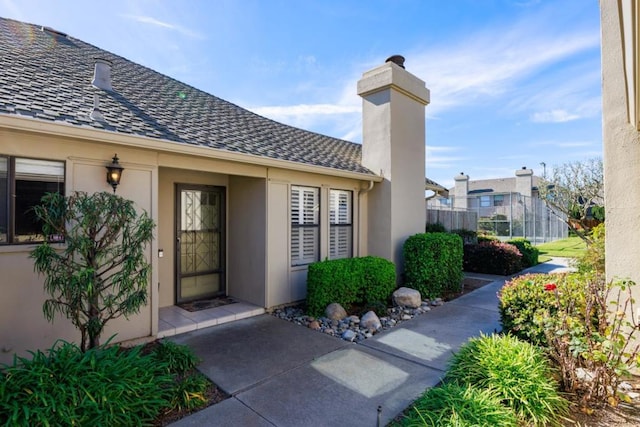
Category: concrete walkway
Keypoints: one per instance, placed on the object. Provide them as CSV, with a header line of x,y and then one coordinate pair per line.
x,y
281,374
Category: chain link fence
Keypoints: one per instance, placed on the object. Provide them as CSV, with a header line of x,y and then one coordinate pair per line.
x,y
505,216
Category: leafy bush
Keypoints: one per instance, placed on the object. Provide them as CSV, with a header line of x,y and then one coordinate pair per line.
x,y
526,301
529,252
179,359
366,280
468,236
600,337
190,392
515,371
456,405
104,386
593,258
102,271
435,228
433,263
492,258
483,238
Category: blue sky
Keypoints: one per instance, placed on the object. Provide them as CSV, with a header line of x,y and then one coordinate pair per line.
x,y
513,82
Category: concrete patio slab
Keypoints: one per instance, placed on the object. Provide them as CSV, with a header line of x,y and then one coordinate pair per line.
x,y
343,388
247,352
230,412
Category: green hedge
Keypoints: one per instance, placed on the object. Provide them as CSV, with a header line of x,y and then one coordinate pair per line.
x,y
492,257
529,252
433,263
435,228
366,280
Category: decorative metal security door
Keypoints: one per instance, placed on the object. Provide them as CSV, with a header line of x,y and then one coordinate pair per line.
x,y
199,242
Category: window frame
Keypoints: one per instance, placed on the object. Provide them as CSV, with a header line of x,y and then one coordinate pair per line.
x,y
485,202
301,261
12,196
336,225
498,200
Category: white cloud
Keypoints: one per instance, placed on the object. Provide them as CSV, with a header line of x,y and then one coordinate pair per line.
x,y
438,157
473,70
553,116
562,144
166,25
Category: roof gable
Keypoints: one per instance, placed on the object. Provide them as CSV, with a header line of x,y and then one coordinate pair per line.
x,y
47,75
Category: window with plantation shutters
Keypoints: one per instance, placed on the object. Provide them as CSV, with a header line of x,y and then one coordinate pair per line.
x,y
305,225
340,224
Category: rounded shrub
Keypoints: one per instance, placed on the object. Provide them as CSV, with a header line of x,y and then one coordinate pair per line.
x,y
455,405
433,263
492,257
517,372
527,301
529,252
365,280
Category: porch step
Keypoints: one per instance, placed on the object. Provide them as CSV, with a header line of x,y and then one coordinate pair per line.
x,y
175,320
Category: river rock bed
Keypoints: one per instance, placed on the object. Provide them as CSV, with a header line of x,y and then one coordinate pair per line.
x,y
351,328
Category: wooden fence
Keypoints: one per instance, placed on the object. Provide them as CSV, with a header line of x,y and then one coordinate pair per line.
x,y
453,219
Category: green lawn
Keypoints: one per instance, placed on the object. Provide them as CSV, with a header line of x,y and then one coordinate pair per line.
x,y
571,247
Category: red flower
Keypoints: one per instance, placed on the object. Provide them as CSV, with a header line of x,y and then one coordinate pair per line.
x,y
550,287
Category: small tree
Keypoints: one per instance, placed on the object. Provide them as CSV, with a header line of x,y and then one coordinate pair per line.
x,y
101,273
577,191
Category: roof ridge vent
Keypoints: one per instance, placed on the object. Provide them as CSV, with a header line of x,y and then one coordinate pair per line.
x,y
102,74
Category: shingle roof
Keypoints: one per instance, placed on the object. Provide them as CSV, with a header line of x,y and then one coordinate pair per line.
x,y
47,75
435,187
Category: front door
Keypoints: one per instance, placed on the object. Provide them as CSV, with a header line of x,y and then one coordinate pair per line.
x,y
200,242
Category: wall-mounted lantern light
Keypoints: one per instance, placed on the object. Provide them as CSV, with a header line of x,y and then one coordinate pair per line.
x,y
114,173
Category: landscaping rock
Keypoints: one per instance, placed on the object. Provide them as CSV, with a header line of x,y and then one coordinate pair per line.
x,y
335,311
407,297
370,321
314,325
348,335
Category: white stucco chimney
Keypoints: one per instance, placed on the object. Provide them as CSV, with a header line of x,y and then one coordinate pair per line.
x,y
102,74
524,181
461,191
393,145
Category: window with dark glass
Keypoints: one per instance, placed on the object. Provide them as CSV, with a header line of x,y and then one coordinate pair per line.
x,y
340,224
498,200
27,180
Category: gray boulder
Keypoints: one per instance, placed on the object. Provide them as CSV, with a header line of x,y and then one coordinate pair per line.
x,y
335,311
370,321
407,297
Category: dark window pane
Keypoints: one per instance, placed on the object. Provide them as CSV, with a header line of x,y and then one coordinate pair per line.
x,y
4,199
34,178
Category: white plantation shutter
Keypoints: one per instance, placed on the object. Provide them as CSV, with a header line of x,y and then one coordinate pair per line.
x,y
340,230
305,215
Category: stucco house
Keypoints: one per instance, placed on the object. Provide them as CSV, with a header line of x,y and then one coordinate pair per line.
x,y
242,203
620,27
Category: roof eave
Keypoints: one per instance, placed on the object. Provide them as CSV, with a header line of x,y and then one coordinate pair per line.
x,y
29,124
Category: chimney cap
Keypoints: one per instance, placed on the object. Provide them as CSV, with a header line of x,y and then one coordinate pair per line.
x,y
396,59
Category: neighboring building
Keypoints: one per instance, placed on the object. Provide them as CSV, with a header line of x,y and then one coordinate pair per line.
x,y
242,203
620,22
505,207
